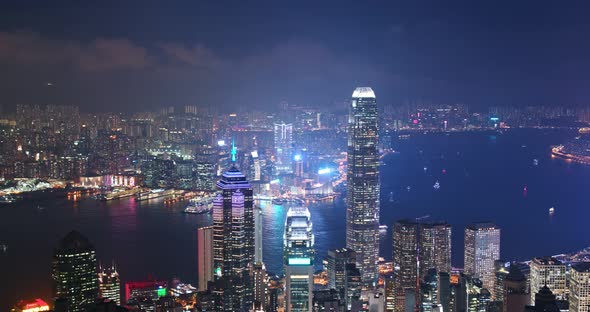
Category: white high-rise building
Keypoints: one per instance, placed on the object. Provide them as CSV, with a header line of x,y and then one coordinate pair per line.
x,y
362,211
283,141
482,248
299,258
548,272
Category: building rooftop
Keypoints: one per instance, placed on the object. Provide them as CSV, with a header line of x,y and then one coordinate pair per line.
x,y
363,92
74,241
483,226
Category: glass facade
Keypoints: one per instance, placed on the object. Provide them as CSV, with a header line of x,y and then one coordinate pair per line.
x,y
75,272
362,213
482,249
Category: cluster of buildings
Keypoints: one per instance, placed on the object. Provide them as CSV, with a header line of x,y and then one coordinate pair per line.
x,y
231,273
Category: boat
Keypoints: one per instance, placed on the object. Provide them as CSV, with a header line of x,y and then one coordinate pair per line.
x,y
409,188
199,205
551,211
199,209
436,185
535,162
391,197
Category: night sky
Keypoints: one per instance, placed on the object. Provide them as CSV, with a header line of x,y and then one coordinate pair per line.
x,y
142,55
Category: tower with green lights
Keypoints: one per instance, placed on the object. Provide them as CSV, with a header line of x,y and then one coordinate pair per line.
x,y
233,238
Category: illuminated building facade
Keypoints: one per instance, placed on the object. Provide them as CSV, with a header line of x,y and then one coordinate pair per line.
x,y
74,272
204,256
298,242
260,283
548,272
283,144
405,254
109,284
579,287
145,289
234,239
337,260
482,249
435,247
36,305
362,212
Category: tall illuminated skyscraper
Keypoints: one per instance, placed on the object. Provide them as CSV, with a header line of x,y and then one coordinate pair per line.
x,y
299,255
283,141
362,212
482,249
109,284
405,254
233,239
74,272
434,247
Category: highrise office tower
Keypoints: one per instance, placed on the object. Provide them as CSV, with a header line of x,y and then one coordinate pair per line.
x,y
405,254
501,270
204,256
283,144
548,272
515,291
434,247
233,239
259,283
362,212
337,261
482,248
74,272
299,257
353,287
109,284
579,287
257,235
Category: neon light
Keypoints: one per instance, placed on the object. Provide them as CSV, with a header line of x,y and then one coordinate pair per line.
x,y
275,181
299,261
221,143
218,271
324,171
494,118
161,292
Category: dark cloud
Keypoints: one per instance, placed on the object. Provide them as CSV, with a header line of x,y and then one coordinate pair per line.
x,y
28,48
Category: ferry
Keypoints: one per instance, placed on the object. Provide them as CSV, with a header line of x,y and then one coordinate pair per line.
x,y
199,205
157,193
436,185
551,211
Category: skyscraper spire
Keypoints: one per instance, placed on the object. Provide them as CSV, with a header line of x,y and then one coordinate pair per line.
x,y
234,150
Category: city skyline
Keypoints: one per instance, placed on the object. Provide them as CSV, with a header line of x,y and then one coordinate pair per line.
x,y
294,157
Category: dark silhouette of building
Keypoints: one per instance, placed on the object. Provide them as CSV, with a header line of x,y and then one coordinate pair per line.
x,y
75,272
515,290
544,301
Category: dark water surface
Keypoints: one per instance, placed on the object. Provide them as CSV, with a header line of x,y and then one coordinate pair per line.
x,y
481,175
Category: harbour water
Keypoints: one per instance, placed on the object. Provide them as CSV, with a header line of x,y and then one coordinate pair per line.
x,y
482,176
